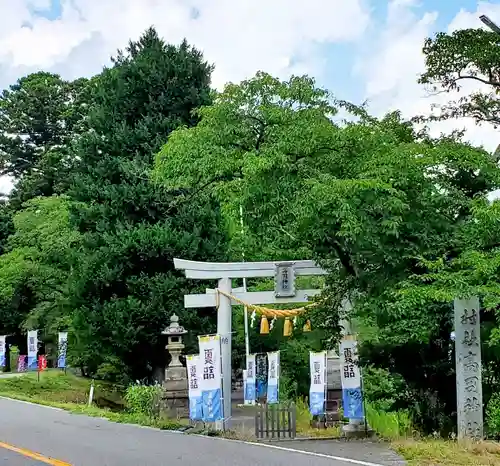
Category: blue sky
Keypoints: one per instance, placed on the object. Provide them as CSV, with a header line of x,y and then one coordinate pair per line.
x,y
359,49
341,59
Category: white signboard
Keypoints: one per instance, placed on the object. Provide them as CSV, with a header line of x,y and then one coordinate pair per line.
x,y
284,281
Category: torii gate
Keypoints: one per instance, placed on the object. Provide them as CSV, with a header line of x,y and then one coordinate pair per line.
x,y
466,335
284,292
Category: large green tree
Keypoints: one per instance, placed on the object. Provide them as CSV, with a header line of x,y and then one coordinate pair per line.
x,y
367,198
126,287
35,269
40,115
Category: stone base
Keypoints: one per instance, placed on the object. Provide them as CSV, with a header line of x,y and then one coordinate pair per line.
x,y
357,429
175,407
175,400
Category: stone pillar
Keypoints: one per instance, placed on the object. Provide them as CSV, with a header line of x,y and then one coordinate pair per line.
x,y
468,369
175,387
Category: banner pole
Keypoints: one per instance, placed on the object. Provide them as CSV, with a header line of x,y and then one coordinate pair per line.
x,y
218,424
325,387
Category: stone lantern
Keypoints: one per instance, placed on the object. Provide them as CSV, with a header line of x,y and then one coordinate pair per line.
x,y
176,400
174,346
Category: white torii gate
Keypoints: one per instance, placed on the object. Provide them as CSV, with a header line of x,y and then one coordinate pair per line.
x,y
224,272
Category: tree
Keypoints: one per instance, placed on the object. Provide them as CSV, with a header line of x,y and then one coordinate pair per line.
x,y
39,117
272,147
368,199
34,271
473,272
125,287
467,55
6,224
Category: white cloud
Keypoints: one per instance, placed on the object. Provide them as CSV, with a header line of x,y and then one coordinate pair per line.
x,y
395,61
241,36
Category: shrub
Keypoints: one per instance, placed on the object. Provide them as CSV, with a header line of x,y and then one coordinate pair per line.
x,y
143,399
390,425
493,415
287,388
381,389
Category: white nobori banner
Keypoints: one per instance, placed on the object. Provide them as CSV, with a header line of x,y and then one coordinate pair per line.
x,y
3,350
350,374
317,391
273,360
211,378
62,349
32,350
250,380
194,389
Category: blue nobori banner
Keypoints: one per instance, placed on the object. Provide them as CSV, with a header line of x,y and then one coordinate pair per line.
x,y
352,396
3,350
194,389
62,350
317,391
273,362
211,378
249,388
32,350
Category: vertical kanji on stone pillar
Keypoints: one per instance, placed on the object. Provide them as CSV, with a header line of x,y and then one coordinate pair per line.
x,y
468,369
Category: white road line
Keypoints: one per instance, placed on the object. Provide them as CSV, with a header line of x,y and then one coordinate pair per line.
x,y
293,450
31,403
318,455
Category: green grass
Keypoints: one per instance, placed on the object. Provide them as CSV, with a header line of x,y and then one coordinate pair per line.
x,y
304,419
397,427
390,425
53,386
69,392
435,452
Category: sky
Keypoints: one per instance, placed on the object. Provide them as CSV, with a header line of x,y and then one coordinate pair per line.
x,y
362,50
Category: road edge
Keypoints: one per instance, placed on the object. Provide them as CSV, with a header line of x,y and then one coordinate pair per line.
x,y
178,432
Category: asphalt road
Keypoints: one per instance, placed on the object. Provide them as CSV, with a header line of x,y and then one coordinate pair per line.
x,y
9,458
83,441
